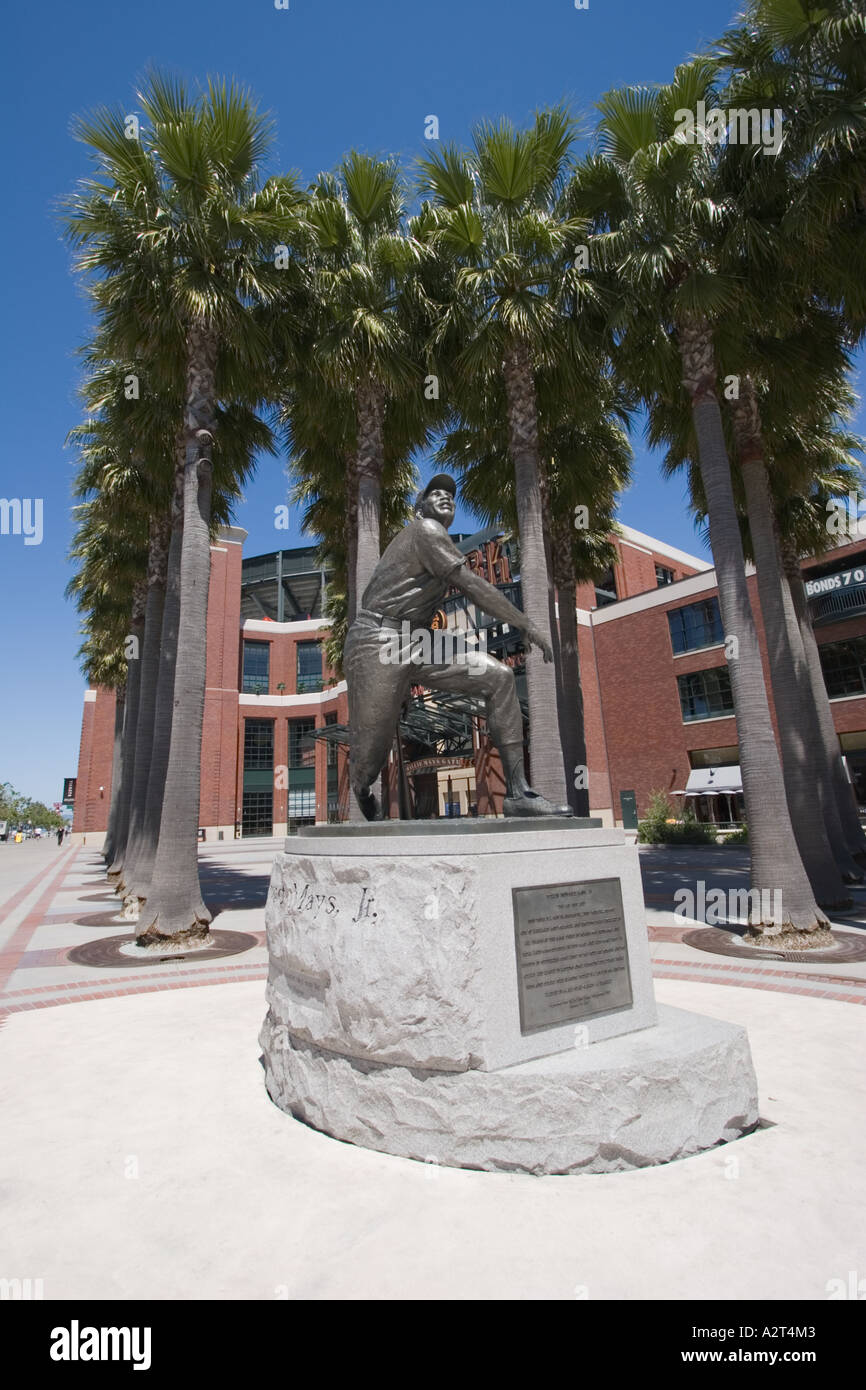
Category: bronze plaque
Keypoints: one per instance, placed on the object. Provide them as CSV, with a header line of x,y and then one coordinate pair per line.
x,y
572,955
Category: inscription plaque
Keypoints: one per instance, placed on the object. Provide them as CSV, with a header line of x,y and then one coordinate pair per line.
x,y
572,955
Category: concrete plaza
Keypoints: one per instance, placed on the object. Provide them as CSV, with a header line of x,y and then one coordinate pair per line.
x,y
143,1159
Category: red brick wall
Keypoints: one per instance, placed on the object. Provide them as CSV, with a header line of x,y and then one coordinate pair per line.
x,y
647,742
95,756
636,738
634,571
283,656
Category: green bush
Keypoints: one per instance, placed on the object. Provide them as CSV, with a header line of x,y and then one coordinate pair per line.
x,y
661,826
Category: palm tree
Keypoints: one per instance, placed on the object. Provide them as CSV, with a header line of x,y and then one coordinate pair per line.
x,y
846,805
586,454
242,435
105,668
127,461
791,365
800,747
366,348
496,219
116,766
362,258
654,195
110,589
321,465
590,460
191,201
810,62
822,455
760,437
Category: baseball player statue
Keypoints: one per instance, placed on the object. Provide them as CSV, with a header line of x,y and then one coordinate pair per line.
x,y
383,655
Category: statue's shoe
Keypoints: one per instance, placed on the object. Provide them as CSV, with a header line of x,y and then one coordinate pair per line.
x,y
531,804
369,805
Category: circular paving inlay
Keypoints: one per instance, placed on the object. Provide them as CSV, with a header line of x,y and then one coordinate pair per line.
x,y
109,951
849,947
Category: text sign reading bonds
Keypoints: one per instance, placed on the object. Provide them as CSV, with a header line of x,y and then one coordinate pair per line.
x,y
572,956
834,581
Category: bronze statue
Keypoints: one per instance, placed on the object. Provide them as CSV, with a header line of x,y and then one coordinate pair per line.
x,y
384,656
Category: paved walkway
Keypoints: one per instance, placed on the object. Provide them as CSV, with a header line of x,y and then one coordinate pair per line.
x,y
102,1199
52,899
142,1158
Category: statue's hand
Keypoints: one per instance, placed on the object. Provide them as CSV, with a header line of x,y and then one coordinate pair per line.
x,y
535,639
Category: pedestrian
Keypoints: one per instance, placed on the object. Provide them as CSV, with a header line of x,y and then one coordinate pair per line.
x,y
60,835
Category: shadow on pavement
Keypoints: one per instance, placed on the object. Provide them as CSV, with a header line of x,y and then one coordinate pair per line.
x,y
227,888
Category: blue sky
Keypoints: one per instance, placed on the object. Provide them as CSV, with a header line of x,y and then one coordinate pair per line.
x,y
335,74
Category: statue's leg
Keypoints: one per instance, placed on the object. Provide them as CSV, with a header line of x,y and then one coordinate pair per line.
x,y
377,689
480,674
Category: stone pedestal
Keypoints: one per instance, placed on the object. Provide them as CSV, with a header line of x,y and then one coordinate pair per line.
x,y
480,994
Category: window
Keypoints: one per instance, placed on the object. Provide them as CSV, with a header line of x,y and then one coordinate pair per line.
x,y
605,589
257,812
844,667
258,744
663,576
309,667
698,625
302,751
257,663
706,694
301,805
728,756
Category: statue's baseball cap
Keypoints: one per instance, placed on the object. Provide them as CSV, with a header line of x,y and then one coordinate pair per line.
x,y
440,480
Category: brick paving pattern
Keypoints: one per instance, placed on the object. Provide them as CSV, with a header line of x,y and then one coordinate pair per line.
x,y
43,921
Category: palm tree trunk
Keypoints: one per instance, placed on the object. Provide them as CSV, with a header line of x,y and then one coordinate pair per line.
x,y
175,912
775,858
116,774
370,464
852,830
130,724
545,750
370,405
548,529
139,885
351,538
156,573
571,723
797,728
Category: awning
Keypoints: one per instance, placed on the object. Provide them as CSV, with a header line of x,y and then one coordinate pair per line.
x,y
710,781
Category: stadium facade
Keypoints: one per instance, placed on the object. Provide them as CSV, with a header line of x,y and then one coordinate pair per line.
x,y
657,700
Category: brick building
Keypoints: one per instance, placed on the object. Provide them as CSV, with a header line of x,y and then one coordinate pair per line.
x,y
657,700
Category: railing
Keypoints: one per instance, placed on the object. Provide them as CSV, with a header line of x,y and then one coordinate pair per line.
x,y
514,593
255,685
845,602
